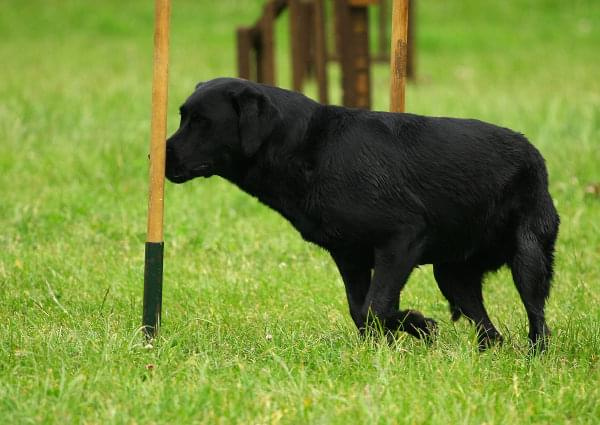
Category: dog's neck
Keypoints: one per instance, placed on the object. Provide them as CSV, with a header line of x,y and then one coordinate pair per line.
x,y
279,174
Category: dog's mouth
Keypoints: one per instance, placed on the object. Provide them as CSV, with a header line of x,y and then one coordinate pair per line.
x,y
175,172
201,169
178,178
180,175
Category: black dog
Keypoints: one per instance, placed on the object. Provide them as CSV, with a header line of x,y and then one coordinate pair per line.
x,y
383,192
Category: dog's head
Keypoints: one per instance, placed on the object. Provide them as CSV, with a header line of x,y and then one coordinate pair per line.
x,y
223,123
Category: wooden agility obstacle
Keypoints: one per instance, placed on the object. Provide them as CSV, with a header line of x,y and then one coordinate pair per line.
x,y
309,51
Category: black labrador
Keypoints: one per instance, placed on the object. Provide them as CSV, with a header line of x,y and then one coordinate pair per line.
x,y
383,193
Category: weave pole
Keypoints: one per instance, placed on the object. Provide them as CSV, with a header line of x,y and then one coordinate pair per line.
x,y
398,54
153,267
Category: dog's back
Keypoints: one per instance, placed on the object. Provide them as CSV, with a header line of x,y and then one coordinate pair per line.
x,y
469,181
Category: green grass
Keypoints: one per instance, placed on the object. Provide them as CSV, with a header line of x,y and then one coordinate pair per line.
x,y
255,326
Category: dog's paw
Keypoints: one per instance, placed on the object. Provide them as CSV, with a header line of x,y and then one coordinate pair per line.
x,y
420,326
489,339
538,343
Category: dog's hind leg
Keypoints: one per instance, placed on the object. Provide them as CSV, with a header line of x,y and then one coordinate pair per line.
x,y
532,267
461,285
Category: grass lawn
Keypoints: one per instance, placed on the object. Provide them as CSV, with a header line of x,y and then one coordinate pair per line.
x,y
255,326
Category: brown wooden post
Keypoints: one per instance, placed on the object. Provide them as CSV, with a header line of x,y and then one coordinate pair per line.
x,y
265,52
321,51
244,50
308,37
398,54
383,54
296,43
341,31
352,29
153,266
383,41
359,50
411,66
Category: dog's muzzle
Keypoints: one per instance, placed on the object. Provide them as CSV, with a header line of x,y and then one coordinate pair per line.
x,y
174,171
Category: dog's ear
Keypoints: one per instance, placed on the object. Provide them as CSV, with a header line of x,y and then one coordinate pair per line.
x,y
257,118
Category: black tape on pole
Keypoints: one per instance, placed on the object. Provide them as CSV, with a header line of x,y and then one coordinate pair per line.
x,y
153,280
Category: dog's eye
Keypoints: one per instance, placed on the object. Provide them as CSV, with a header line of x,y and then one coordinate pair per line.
x,y
200,121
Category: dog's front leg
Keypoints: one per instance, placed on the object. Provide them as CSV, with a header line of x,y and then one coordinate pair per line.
x,y
355,269
394,262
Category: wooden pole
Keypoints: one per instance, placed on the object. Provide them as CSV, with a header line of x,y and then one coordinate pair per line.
x,y
244,47
352,38
398,54
382,42
321,51
266,48
296,41
153,268
308,20
411,66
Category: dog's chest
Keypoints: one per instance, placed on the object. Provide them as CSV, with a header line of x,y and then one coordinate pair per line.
x,y
307,222
299,199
